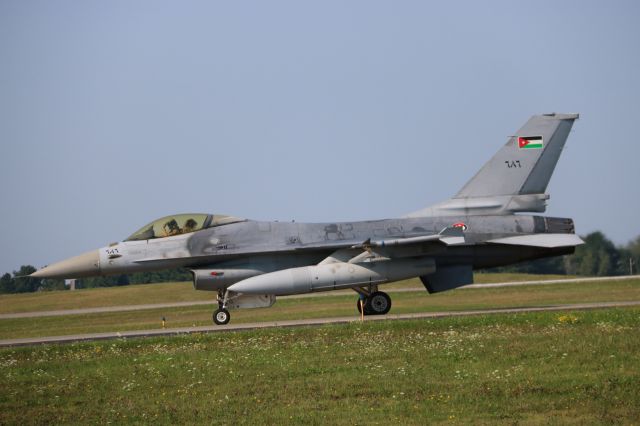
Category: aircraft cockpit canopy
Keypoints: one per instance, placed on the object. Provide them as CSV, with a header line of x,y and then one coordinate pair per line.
x,y
178,224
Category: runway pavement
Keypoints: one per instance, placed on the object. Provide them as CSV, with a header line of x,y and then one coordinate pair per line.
x,y
298,323
124,308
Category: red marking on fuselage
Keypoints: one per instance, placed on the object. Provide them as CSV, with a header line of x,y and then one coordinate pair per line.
x,y
461,225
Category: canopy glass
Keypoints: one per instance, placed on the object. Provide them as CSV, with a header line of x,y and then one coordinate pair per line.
x,y
178,224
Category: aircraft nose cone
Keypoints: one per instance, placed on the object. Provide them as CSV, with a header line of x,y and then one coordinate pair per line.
x,y
84,265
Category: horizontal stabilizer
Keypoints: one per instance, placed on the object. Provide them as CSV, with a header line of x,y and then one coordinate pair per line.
x,y
541,240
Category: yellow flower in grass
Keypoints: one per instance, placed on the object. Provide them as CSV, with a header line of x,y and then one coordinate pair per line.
x,y
567,319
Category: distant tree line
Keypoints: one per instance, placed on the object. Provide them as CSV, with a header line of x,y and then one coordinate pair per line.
x,y
597,257
20,283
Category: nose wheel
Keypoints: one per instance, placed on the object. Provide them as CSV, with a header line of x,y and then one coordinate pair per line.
x,y
221,316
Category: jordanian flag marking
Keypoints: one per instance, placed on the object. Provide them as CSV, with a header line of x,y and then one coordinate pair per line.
x,y
530,142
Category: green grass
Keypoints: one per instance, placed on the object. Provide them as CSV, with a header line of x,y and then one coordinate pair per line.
x,y
98,297
167,293
325,305
535,368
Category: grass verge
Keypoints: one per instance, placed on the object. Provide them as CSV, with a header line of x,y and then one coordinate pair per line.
x,y
326,305
526,368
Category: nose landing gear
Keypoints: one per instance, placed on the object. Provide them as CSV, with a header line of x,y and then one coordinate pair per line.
x,y
221,315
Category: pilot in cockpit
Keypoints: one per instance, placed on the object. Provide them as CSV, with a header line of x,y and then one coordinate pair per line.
x,y
190,226
171,228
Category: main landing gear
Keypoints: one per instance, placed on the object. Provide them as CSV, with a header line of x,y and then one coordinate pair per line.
x,y
375,302
221,315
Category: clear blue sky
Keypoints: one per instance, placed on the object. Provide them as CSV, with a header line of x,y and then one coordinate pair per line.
x,y
115,113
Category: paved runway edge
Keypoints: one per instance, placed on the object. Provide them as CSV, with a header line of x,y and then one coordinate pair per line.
x,y
125,308
301,323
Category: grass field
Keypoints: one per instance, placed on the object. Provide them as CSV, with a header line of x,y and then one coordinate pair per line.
x,y
325,305
536,368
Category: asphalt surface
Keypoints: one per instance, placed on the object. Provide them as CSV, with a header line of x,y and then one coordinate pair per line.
x,y
299,323
124,308
295,323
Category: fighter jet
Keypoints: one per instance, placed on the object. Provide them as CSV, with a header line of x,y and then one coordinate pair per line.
x,y
248,263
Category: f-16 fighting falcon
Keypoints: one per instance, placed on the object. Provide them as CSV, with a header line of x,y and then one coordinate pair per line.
x,y
248,263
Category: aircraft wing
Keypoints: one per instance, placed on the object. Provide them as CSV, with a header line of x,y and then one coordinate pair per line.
x,y
448,236
541,240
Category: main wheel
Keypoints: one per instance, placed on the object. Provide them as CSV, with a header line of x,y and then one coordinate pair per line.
x,y
378,303
221,316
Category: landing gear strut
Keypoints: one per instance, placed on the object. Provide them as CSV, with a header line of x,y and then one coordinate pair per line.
x,y
375,302
221,315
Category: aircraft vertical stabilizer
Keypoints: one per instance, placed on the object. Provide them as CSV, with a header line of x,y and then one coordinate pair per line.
x,y
516,177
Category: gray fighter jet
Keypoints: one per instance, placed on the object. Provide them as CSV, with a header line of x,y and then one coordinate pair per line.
x,y
248,263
